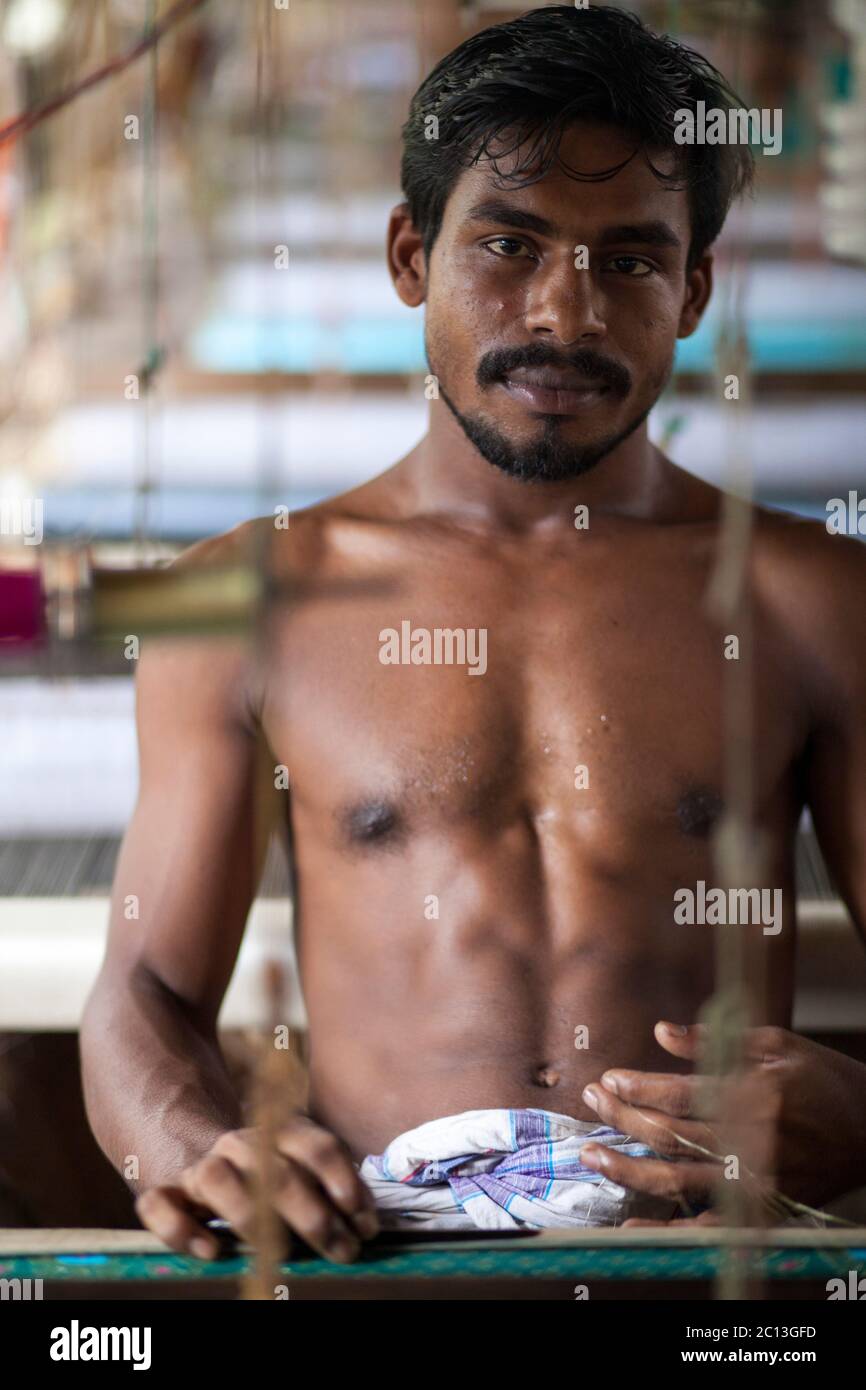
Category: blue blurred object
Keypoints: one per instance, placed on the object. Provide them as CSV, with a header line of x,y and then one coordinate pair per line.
x,y
391,347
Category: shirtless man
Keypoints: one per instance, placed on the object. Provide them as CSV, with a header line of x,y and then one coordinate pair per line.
x,y
413,784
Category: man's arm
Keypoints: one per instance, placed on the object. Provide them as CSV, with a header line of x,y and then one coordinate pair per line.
x,y
155,1083
836,761
156,1087
819,587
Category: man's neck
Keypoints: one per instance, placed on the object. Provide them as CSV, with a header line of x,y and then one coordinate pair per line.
x,y
445,473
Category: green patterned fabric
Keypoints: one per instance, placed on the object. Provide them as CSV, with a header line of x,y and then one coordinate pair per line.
x,y
614,1263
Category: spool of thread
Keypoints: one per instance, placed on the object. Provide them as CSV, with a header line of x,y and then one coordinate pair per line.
x,y
22,608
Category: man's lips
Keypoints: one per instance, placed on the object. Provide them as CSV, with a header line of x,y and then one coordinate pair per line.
x,y
552,392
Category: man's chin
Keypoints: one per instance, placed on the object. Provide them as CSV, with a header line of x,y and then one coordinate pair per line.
x,y
548,458
533,468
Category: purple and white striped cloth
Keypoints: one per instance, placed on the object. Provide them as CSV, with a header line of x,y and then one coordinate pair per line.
x,y
503,1168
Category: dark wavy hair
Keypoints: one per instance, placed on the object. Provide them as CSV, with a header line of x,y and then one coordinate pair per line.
x,y
522,83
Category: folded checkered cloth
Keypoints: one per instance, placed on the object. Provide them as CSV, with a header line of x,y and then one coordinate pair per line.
x,y
503,1168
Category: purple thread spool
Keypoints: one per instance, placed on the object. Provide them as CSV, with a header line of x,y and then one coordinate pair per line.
x,y
22,610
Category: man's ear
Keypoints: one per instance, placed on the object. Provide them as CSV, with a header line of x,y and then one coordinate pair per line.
x,y
699,287
406,260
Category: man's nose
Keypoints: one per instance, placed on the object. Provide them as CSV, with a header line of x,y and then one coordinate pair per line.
x,y
564,301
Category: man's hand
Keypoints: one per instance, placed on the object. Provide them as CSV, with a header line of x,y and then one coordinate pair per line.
x,y
318,1194
803,1104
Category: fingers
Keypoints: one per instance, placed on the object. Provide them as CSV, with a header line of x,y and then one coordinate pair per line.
x,y
680,1039
306,1208
665,1091
169,1213
765,1044
674,1137
225,1187
216,1184
314,1188
321,1153
677,1181
768,1044
297,1197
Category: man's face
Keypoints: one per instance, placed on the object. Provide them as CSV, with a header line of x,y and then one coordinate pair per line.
x,y
547,366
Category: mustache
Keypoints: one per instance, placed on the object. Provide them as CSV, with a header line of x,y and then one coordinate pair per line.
x,y
496,365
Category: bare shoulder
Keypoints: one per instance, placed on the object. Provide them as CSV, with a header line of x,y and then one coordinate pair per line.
x,y
203,671
220,677
799,558
279,547
813,582
237,546
342,535
295,547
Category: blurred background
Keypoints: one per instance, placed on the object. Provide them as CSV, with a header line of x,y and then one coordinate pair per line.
x,y
197,326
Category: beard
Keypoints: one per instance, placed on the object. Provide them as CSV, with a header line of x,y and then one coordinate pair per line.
x,y
547,459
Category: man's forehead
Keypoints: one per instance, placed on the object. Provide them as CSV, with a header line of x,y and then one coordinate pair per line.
x,y
592,147
631,192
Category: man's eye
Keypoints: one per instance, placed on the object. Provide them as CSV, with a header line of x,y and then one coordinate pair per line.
x,y
511,247
631,266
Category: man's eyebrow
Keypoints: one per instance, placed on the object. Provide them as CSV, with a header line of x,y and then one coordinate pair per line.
x,y
655,233
495,210
648,233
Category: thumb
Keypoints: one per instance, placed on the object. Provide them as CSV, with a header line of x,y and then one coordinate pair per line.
x,y
680,1039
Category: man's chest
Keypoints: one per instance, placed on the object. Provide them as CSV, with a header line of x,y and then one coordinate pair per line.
x,y
583,696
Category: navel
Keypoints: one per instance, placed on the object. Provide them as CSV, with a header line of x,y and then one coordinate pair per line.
x,y
546,1075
